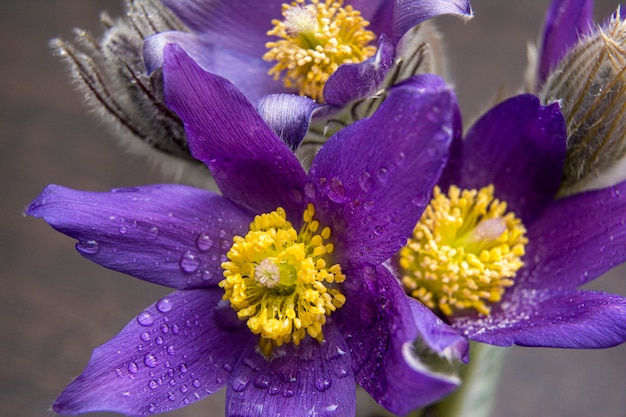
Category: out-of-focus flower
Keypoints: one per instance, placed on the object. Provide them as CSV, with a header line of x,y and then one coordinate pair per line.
x,y
307,308
501,260
582,66
272,46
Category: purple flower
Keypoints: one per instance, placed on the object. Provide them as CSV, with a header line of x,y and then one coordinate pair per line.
x,y
231,39
499,257
281,292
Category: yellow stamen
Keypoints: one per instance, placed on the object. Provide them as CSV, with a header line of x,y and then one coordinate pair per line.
x,y
315,39
464,253
280,281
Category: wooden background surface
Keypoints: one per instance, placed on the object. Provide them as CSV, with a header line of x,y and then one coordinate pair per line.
x,y
55,306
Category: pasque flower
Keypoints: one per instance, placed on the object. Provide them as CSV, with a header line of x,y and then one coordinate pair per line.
x,y
499,258
273,46
582,64
282,294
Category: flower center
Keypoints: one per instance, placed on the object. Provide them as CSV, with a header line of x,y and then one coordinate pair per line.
x,y
279,281
464,252
314,40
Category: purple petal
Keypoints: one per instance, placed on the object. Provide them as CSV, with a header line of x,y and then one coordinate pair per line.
x,y
311,379
565,21
372,180
248,72
171,235
251,165
568,319
288,116
238,25
409,13
379,13
519,147
576,240
355,81
172,354
379,326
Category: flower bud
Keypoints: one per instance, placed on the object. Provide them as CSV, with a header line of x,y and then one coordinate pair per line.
x,y
590,84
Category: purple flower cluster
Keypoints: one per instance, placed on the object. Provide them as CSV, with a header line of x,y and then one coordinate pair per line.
x,y
291,286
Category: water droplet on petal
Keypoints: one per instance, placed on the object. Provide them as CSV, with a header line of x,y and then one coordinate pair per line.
x,y
382,174
365,181
145,336
145,318
153,384
227,367
309,190
336,190
183,368
171,350
151,408
189,262
204,242
133,368
88,247
153,233
150,360
164,305
288,392
171,396
222,233
322,384
240,383
196,383
123,230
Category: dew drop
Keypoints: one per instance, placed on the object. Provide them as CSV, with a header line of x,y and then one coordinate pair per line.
x,y
240,383
383,173
150,360
273,390
207,275
184,389
183,368
175,328
153,384
222,233
145,318
133,368
204,242
336,190
171,350
322,384
153,233
288,392
123,230
88,247
164,305
341,372
365,181
189,262
171,396
159,340
262,381
165,328
227,367
145,336
309,190
196,383
151,408
421,200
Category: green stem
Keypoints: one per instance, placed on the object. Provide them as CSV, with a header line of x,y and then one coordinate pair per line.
x,y
475,397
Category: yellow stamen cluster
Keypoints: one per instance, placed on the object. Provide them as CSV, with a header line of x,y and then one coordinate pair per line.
x,y
315,39
280,281
464,253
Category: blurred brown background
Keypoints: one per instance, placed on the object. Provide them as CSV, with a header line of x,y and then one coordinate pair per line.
x,y
56,306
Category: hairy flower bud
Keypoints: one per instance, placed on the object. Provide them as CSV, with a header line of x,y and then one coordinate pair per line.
x,y
590,84
110,72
